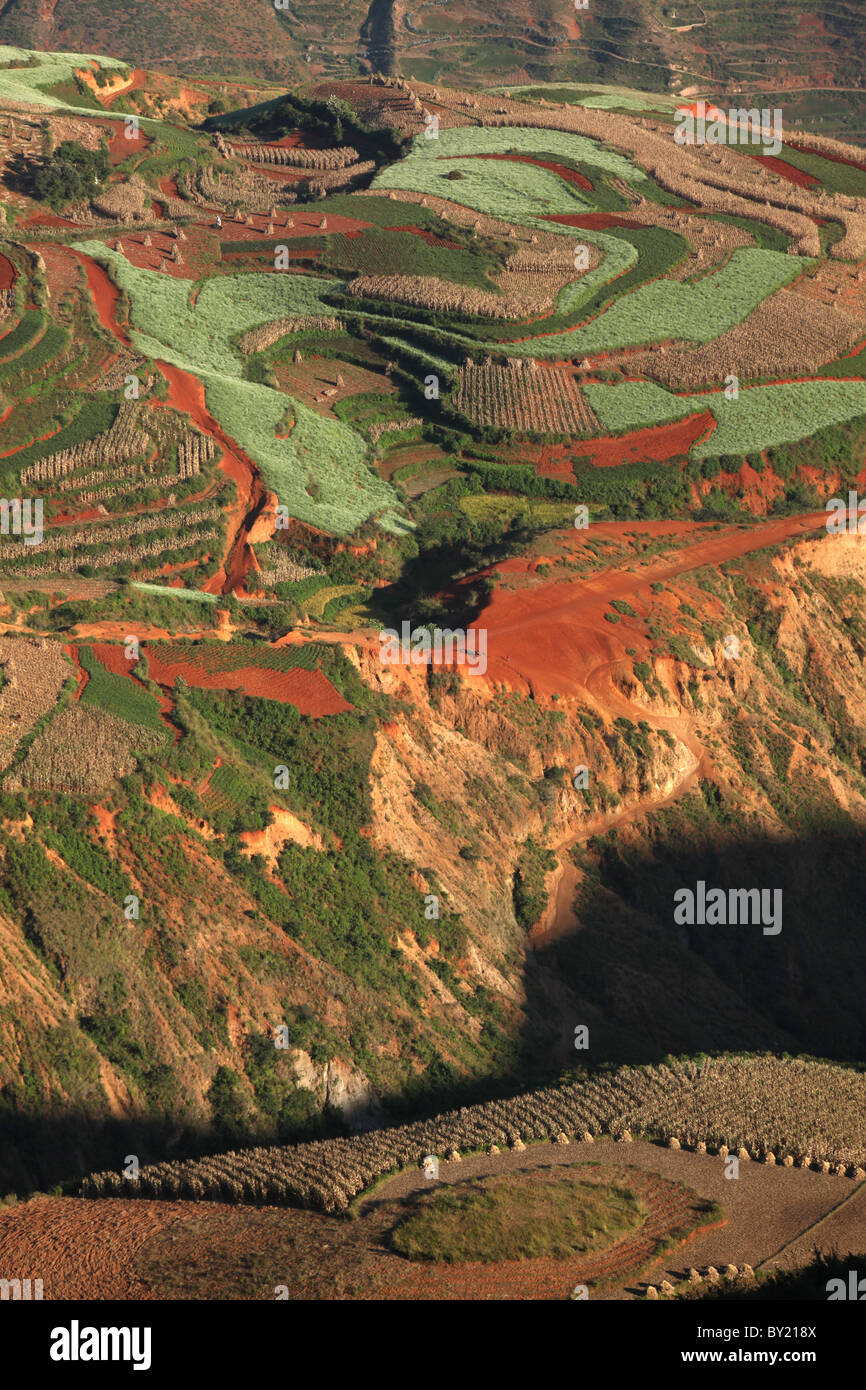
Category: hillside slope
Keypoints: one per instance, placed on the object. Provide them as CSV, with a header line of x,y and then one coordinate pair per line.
x,y
802,56
451,792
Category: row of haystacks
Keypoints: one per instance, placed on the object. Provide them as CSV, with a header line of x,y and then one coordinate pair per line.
x,y
813,1111
263,337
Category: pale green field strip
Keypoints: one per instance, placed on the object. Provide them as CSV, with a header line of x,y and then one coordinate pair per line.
x,y
28,84
619,256
166,591
598,98
198,340
521,193
672,309
762,417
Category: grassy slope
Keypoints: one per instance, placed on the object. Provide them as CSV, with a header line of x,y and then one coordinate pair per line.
x,y
200,340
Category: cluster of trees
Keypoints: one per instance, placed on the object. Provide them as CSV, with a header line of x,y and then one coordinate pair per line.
x,y
70,174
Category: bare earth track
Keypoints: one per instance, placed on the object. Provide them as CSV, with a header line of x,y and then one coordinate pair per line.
x,y
110,1248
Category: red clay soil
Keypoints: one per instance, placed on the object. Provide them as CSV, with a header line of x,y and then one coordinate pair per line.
x,y
787,171
569,175
40,439
138,80
83,677
310,691
63,518
187,394
105,296
113,658
168,185
657,442
551,638
833,158
45,1235
593,221
49,219
121,145
7,274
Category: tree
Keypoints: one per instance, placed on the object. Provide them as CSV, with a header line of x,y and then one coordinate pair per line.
x,y
69,174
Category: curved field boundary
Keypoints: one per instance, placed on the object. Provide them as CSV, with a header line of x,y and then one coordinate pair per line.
x,y
813,1111
762,417
673,1214
199,340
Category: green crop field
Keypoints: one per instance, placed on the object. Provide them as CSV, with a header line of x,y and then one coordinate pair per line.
x,y
763,416
671,309
25,332
166,591
30,84
319,470
217,657
522,193
44,350
383,252
118,694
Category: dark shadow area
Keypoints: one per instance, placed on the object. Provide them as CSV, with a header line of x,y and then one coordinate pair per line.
x,y
647,987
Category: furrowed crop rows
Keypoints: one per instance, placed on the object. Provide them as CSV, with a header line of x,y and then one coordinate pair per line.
x,y
445,297
214,658
123,441
772,1110
524,397
34,672
299,158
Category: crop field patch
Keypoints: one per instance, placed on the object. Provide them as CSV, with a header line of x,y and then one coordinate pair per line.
x,y
763,416
699,312
199,340
291,676
31,84
523,399
114,691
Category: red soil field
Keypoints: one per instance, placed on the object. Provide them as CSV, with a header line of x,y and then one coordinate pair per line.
x,y
138,80
7,453
553,638
593,221
113,658
7,274
48,219
70,518
658,442
186,394
787,171
310,691
83,677
105,296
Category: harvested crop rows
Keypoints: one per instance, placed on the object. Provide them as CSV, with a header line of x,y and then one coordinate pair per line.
x,y
525,398
790,1110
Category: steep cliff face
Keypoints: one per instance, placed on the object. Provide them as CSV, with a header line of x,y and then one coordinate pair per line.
x,y
499,871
